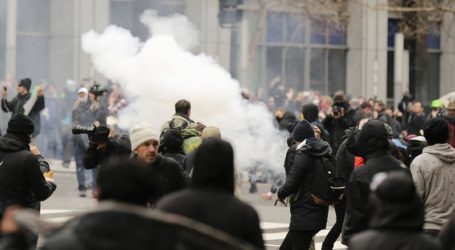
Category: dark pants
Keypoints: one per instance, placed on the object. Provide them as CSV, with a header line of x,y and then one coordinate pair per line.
x,y
432,232
332,236
79,152
298,240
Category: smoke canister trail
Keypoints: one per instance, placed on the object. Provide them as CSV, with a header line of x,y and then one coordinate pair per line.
x,y
156,73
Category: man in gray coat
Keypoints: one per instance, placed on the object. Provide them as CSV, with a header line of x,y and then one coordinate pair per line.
x,y
433,173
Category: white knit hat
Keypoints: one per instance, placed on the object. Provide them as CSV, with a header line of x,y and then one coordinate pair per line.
x,y
141,133
83,90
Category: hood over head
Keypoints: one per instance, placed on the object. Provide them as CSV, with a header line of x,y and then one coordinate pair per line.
x,y
13,143
315,147
372,139
394,203
310,112
442,151
214,165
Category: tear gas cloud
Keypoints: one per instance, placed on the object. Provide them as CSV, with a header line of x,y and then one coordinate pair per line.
x,y
156,73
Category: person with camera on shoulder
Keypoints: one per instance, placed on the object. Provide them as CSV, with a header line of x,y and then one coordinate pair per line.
x,y
103,144
86,111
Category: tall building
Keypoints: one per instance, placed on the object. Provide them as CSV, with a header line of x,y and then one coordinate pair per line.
x,y
41,39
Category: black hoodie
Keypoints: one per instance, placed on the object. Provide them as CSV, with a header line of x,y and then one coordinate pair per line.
x,y
396,218
211,200
21,180
371,143
305,214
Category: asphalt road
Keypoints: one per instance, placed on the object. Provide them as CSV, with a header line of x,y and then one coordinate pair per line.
x,y
66,203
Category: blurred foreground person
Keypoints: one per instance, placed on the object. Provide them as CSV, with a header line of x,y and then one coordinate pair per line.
x,y
434,176
121,221
210,198
446,236
21,179
397,216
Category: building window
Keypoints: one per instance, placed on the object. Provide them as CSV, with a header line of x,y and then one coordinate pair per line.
x,y
305,54
33,39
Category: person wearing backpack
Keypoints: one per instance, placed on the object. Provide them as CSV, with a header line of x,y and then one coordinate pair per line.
x,y
307,218
181,118
372,145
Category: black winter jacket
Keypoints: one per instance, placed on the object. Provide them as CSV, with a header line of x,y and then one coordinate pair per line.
x,y
166,176
140,229
395,225
21,180
344,159
305,214
218,209
336,128
117,146
446,235
17,106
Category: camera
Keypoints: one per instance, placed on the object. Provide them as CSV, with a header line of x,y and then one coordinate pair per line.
x,y
97,90
95,134
337,110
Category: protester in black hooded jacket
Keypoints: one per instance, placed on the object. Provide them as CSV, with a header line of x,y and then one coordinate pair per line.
x,y
372,145
344,167
117,145
210,198
396,219
21,179
307,218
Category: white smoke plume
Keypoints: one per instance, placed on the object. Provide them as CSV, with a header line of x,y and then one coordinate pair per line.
x,y
156,73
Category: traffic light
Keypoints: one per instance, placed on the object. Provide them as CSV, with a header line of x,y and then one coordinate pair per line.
x,y
229,13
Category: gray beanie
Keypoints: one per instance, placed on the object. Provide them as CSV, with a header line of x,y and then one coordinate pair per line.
x,y
141,133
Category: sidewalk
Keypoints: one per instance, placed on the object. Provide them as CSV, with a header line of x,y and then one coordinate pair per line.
x,y
57,166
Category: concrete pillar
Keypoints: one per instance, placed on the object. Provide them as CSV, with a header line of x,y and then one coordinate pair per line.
x,y
61,58
447,65
367,55
215,41
11,37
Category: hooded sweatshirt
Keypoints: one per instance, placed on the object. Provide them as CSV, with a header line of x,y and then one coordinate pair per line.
x,y
433,173
21,180
210,198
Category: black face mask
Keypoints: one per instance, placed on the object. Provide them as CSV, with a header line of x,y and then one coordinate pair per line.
x,y
278,119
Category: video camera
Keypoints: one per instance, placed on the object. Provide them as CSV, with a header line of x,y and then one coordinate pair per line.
x,y
95,133
97,90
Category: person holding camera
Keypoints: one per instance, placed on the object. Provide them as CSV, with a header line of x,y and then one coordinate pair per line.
x,y
86,112
104,145
25,103
340,119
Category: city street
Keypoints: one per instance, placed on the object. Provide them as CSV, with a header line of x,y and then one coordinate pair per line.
x,y
65,203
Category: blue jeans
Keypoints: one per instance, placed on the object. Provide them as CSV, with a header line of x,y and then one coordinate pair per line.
x,y
79,152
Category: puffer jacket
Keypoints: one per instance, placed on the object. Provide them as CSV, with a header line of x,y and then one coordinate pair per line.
x,y
305,214
433,173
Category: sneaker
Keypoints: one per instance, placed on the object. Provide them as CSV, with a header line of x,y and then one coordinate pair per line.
x,y
82,194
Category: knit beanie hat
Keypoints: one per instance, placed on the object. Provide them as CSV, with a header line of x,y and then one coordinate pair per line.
x,y
211,132
26,83
141,133
20,124
303,131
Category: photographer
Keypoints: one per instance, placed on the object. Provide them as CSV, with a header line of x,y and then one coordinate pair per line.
x,y
340,119
103,145
86,112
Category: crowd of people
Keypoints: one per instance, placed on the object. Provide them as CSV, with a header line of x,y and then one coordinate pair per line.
x,y
388,173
